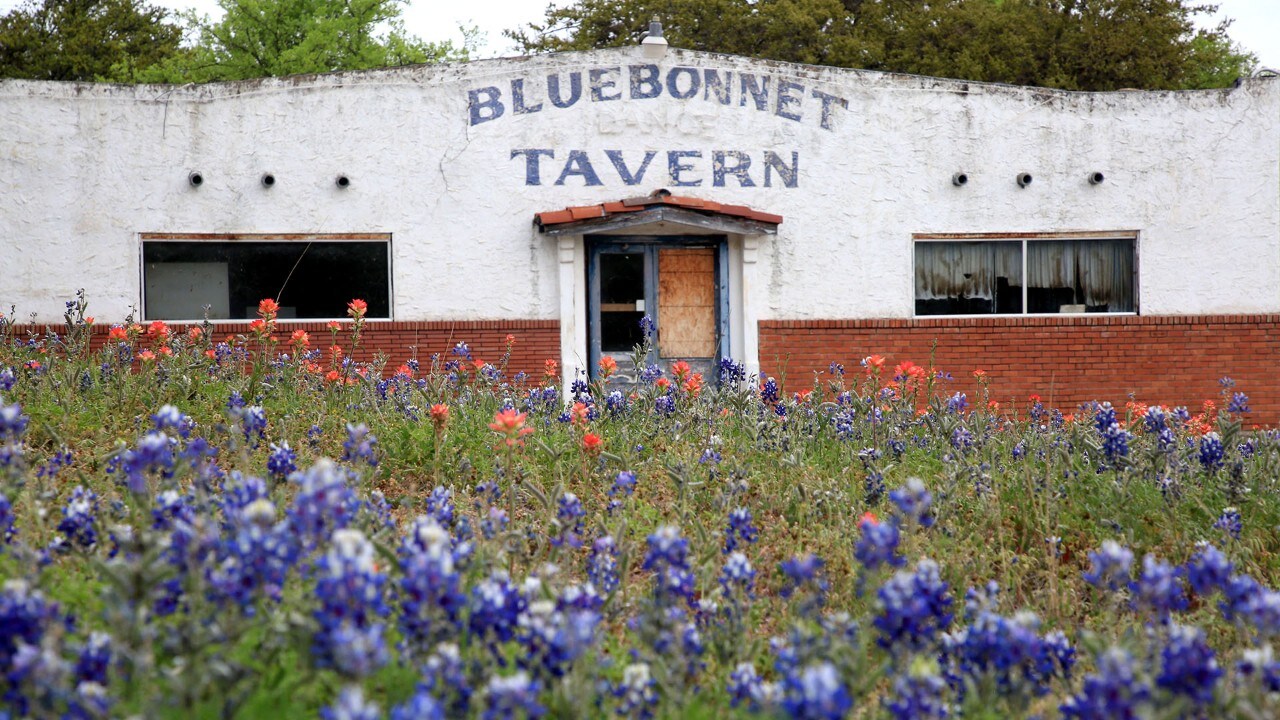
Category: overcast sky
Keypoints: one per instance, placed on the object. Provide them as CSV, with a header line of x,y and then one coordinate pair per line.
x,y
1257,22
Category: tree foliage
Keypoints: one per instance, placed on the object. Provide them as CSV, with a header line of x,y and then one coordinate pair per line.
x,y
1069,44
260,38
85,39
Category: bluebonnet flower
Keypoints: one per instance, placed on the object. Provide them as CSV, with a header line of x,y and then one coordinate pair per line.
x,y
731,373
151,458
281,462
744,687
13,424
816,692
569,514
624,484
554,637
431,598
253,423
666,549
445,675
1239,404
1211,454
665,404
1230,523
349,588
314,433
440,506
740,528
79,526
254,556
637,694
918,696
616,402
351,705
239,491
515,696
1115,442
602,564
380,509
1157,590
494,523
1114,691
914,501
915,607
94,659
169,417
7,527
24,617
961,438
495,606
1259,665
1104,417
359,445
1188,666
738,576
804,576
422,706
462,350
769,391
958,403
650,374
710,455
878,544
647,326
1208,569
325,502
1111,564
1009,651
1264,612
1237,596
7,378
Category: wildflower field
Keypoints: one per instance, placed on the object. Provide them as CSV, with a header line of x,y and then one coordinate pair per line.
x,y
256,526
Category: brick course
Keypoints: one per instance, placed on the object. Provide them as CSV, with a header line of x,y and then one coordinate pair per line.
x,y
1173,360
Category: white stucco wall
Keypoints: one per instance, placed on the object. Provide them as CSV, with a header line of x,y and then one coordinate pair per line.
x,y
85,168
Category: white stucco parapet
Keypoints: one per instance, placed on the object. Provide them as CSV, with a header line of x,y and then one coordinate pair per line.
x,y
454,160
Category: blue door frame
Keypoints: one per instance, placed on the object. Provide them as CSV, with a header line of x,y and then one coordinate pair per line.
x,y
648,245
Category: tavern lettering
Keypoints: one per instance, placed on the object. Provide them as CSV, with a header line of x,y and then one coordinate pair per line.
x,y
766,93
683,168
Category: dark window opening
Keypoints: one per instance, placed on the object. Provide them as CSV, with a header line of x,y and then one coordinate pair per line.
x,y
621,300
310,279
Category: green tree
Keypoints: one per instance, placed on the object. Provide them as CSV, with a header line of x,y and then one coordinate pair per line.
x,y
1070,44
85,39
261,38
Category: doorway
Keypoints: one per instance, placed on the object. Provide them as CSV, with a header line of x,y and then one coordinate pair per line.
x,y
678,282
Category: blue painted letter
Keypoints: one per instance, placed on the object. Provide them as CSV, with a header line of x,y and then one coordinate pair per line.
x,y
517,99
490,108
644,82
719,169
575,89
599,84
615,156
786,100
675,167
579,164
532,166
673,82
790,174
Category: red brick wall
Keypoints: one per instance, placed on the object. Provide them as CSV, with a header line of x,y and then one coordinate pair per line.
x,y
1067,361
535,340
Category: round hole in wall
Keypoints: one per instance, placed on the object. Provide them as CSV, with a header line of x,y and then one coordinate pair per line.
x,y
959,179
343,181
1096,178
195,179
268,180
1024,179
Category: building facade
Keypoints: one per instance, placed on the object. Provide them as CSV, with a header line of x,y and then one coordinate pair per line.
x,y
1073,245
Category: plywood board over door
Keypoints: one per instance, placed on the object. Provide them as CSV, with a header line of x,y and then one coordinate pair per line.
x,y
686,302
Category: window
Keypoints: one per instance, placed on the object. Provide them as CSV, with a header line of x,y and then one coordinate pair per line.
x,y
311,276
1040,274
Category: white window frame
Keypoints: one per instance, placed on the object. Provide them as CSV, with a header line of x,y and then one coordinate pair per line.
x,y
1024,238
